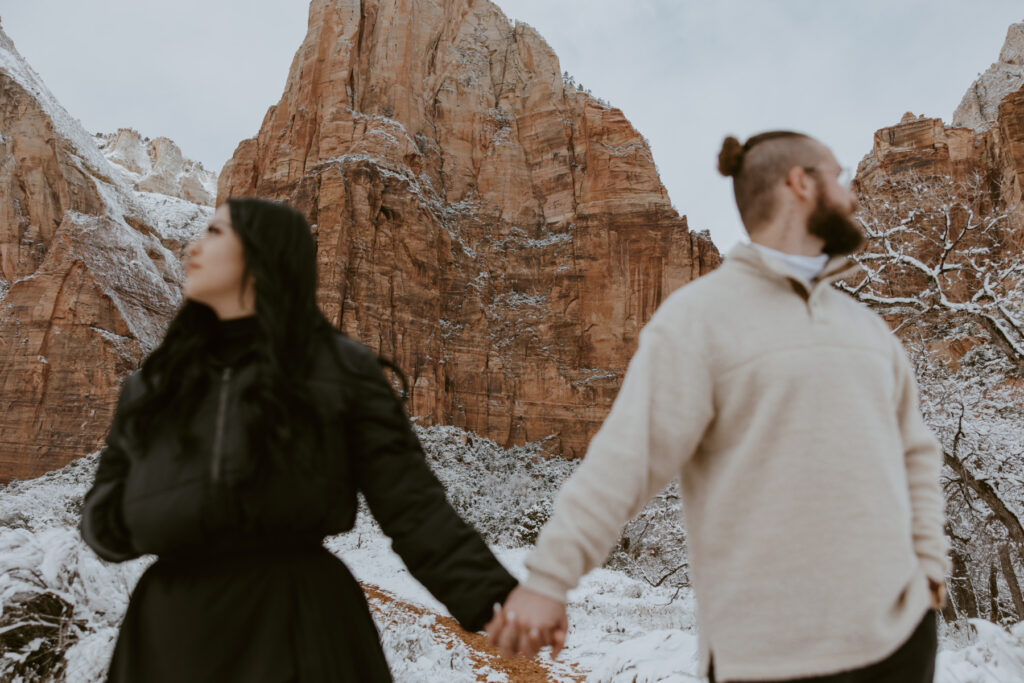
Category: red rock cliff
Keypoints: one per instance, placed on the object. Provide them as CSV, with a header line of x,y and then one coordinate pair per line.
x,y
986,138
501,234
943,207
89,275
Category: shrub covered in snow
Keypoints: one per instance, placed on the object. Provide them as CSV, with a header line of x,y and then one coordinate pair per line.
x,y
60,605
506,494
652,547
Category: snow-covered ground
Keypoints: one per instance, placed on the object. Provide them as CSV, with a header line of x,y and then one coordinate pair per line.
x,y
60,605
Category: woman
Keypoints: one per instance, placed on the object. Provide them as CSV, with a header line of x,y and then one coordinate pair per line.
x,y
239,445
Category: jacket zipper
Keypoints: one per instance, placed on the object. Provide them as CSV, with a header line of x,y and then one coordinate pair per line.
x,y
218,435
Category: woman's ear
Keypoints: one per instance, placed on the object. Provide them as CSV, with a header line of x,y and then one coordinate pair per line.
x,y
247,292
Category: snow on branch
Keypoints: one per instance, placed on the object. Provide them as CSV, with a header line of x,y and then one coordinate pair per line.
x,y
937,246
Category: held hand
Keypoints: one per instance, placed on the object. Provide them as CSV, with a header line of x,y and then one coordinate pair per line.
x,y
527,622
938,591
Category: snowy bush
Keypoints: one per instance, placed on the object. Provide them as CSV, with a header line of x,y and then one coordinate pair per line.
x,y
533,520
54,499
504,493
652,547
61,604
508,495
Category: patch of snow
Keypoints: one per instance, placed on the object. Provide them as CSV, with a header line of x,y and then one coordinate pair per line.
x,y
118,256
518,300
449,329
412,650
175,220
629,149
994,655
595,375
518,239
668,656
480,281
158,166
552,239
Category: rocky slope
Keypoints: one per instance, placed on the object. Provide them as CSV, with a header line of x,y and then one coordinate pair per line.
x,y
89,275
501,234
158,166
980,105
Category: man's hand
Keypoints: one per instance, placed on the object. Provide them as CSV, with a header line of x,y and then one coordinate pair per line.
x,y
938,590
527,622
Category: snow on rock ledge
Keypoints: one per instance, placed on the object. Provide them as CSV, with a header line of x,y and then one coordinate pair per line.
x,y
158,166
980,106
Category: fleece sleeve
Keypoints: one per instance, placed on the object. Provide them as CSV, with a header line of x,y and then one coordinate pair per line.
x,y
922,456
102,525
656,422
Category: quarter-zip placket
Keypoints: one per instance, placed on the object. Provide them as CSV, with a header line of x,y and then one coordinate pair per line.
x,y
218,434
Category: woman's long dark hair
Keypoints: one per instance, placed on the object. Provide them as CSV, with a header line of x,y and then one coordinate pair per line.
x,y
280,257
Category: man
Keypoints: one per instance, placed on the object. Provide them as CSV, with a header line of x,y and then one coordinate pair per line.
x,y
789,412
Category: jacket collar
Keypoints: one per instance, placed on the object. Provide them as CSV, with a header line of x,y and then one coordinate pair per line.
x,y
837,268
234,341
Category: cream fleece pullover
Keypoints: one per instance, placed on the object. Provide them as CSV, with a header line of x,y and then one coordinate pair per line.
x,y
810,482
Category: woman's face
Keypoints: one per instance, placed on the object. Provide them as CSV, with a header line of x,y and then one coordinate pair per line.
x,y
214,264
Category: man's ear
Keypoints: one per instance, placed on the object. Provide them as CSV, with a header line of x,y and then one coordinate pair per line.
x,y
800,183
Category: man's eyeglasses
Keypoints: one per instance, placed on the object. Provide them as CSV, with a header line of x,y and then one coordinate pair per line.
x,y
845,177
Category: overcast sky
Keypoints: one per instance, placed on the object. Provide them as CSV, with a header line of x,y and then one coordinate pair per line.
x,y
685,72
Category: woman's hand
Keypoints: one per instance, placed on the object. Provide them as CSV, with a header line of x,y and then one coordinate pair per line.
x,y
527,622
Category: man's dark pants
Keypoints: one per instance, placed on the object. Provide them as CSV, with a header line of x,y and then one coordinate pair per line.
x,y
914,662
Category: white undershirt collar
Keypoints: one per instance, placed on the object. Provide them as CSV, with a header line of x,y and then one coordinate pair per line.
x,y
804,267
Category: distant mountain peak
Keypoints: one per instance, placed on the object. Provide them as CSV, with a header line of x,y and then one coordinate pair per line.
x,y
157,165
980,106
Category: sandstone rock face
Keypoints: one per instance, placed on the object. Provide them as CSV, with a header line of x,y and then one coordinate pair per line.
x,y
943,208
925,148
158,166
500,234
985,142
89,277
925,170
980,105
42,173
919,145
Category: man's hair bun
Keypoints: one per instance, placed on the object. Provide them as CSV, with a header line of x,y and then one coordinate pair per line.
x,y
730,159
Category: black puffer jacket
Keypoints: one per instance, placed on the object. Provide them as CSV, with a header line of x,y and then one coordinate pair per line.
x,y
183,505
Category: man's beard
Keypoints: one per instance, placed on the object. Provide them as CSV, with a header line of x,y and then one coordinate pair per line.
x,y
841,235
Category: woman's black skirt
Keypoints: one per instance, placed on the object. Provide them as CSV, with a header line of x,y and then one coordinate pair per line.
x,y
266,615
